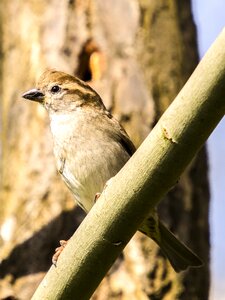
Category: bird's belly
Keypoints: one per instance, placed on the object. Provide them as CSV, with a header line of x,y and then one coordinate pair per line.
x,y
86,180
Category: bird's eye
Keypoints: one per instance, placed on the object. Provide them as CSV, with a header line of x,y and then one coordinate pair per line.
x,y
55,89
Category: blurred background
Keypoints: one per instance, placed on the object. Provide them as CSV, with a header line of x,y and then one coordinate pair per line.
x,y
210,20
137,54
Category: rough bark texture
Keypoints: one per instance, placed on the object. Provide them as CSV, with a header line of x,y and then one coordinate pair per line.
x,y
138,55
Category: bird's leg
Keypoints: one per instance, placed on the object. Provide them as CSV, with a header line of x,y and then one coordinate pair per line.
x,y
58,251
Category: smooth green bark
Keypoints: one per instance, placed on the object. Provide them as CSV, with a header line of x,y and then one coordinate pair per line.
x,y
139,186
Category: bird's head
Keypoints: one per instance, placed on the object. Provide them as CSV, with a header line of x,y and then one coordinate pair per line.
x,y
60,92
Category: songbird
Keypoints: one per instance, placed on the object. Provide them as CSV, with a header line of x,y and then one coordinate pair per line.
x,y
90,147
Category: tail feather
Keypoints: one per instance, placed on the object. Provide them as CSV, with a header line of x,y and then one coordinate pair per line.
x,y
179,255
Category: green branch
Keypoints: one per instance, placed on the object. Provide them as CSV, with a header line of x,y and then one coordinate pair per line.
x,y
139,186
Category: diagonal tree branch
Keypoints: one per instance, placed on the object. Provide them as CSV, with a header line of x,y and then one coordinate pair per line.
x,y
139,186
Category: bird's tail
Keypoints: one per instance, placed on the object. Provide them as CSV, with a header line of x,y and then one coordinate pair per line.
x,y
179,255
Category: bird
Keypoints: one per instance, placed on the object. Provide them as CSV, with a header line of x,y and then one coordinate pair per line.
x,y
90,147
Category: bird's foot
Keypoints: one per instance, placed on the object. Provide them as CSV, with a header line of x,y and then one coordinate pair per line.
x,y
58,251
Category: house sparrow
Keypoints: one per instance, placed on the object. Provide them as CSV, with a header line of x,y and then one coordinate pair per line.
x,y
90,147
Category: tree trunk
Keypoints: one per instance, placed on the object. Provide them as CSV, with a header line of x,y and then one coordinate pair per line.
x,y
137,55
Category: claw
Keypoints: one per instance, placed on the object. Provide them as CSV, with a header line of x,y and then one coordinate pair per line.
x,y
97,196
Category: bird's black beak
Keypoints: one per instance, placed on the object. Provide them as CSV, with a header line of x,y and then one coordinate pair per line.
x,y
34,95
